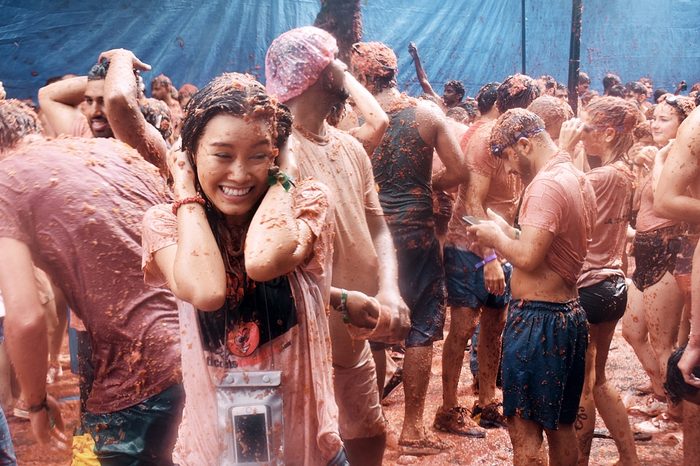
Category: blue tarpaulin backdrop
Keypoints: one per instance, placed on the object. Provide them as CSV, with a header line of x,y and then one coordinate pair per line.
x,y
474,41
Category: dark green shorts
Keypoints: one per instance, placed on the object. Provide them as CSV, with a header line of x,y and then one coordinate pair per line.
x,y
142,435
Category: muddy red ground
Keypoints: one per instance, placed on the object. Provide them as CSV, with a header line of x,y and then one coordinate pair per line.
x,y
495,449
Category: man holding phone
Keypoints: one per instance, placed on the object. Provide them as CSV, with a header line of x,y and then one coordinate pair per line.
x,y
546,334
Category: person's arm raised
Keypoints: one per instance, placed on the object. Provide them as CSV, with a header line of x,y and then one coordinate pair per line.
x,y
370,133
434,130
193,268
123,113
420,72
59,102
277,242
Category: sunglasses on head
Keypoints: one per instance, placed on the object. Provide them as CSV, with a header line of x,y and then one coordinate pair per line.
x,y
673,101
497,149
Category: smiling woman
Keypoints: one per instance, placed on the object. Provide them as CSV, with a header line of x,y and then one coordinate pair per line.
x,y
246,251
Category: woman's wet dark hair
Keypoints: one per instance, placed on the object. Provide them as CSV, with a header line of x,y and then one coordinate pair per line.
x,y
676,387
237,95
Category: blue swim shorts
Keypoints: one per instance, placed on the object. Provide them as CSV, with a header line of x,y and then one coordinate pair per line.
x,y
544,359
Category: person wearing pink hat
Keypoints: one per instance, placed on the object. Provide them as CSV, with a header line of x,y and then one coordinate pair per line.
x,y
302,71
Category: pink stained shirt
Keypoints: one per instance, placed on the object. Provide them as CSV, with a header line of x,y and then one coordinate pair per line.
x,y
77,204
561,200
504,190
303,353
614,186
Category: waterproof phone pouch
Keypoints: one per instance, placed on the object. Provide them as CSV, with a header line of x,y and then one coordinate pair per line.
x,y
249,405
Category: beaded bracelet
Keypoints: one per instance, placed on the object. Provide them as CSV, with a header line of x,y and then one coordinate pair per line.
x,y
188,200
275,175
343,308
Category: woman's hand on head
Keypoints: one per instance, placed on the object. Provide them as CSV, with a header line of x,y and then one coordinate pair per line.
x,y
182,172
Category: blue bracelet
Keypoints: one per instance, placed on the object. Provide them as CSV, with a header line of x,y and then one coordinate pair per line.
x,y
486,260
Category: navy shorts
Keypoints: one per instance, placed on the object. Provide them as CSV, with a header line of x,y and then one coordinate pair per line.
x,y
544,359
465,283
605,301
422,286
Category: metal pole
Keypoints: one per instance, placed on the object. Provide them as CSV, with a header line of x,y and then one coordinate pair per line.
x,y
575,53
522,37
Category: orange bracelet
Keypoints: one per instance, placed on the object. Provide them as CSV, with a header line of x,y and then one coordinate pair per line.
x,y
188,200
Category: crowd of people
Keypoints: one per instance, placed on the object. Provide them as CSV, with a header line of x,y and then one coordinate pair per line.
x,y
241,261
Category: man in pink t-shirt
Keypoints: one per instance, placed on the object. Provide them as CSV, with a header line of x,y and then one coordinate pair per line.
x,y
74,207
546,333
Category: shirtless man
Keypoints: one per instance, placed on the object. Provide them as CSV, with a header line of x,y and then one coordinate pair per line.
x,y
162,89
112,110
86,236
677,196
402,169
546,332
453,91
477,278
302,71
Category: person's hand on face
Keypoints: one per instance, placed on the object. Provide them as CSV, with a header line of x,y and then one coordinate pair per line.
x,y
570,135
127,54
48,427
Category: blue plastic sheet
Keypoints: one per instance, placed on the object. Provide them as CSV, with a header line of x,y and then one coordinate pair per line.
x,y
473,41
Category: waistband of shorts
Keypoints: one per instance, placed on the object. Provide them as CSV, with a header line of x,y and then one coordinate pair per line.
x,y
663,233
531,305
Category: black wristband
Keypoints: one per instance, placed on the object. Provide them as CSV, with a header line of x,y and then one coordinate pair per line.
x,y
40,407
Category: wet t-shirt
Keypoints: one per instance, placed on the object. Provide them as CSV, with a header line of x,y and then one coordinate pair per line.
x,y
613,185
78,205
293,308
647,220
504,190
402,165
561,200
343,166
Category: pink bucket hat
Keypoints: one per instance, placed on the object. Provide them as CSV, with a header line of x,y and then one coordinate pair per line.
x,y
296,59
